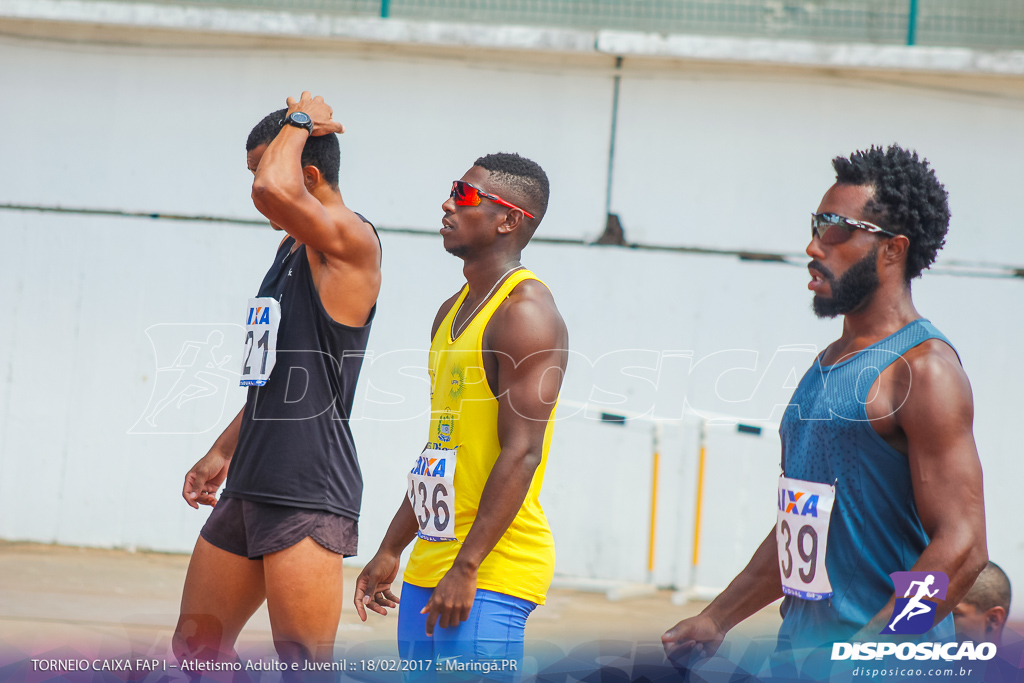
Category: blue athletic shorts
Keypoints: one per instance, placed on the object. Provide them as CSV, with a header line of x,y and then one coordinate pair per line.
x,y
488,646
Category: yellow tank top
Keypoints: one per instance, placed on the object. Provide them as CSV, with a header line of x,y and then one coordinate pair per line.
x,y
464,418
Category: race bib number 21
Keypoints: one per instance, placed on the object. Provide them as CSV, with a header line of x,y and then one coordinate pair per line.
x,y
805,508
263,317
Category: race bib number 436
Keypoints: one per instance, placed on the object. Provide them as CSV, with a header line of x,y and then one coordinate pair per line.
x,y
432,494
263,317
805,508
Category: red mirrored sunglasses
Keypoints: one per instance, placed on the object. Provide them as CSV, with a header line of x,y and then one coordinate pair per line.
x,y
465,194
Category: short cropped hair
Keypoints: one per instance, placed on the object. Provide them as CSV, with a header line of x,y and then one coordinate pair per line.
x,y
322,151
909,200
991,589
523,177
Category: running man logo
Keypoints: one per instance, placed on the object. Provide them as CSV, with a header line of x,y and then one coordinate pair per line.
x,y
798,503
193,378
429,467
258,315
921,592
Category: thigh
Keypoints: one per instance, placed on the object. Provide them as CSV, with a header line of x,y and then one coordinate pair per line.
x,y
304,594
492,637
413,643
222,590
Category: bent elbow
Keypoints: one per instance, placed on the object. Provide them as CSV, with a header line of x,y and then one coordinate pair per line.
x,y
977,546
262,193
268,191
973,554
532,460
979,556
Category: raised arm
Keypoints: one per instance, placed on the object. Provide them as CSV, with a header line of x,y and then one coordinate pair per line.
x,y
298,199
937,419
530,341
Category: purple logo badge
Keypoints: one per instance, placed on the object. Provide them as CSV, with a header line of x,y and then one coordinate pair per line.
x,y
917,597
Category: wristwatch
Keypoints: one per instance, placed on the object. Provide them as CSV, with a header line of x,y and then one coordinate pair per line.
x,y
300,119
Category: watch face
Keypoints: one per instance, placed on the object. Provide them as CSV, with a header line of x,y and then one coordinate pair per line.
x,y
300,118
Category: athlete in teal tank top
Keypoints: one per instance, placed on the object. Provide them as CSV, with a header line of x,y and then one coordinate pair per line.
x,y
827,437
880,470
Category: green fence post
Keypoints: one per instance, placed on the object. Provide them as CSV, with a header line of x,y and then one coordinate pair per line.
x,y
912,23
385,8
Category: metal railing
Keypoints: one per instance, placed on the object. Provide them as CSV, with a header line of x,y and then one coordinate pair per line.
x,y
987,24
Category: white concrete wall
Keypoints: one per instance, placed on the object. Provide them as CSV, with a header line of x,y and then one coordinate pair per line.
x,y
745,155
727,157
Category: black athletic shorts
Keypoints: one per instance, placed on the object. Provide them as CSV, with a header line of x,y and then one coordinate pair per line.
x,y
253,530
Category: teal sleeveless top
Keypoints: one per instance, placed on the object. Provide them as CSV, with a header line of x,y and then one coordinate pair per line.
x,y
875,528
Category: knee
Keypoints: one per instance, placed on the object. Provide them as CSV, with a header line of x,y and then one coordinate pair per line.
x,y
292,651
199,637
299,650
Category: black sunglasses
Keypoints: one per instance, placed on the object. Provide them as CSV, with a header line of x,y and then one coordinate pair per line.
x,y
831,228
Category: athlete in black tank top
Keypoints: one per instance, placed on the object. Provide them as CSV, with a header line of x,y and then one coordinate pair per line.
x,y
291,501
294,445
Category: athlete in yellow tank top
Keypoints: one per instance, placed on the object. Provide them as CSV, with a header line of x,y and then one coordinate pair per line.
x,y
484,553
464,445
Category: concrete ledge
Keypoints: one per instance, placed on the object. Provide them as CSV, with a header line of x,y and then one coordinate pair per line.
x,y
695,594
629,44
299,25
811,54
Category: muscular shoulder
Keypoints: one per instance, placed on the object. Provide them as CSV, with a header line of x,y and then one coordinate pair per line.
x,y
930,363
936,384
355,246
528,321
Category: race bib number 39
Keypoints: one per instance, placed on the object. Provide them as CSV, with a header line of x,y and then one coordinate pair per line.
x,y
805,508
262,319
432,494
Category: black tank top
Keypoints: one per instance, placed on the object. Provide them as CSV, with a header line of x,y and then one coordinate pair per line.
x,y
295,447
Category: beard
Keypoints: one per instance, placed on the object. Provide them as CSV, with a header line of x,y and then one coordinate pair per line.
x,y
850,291
458,252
